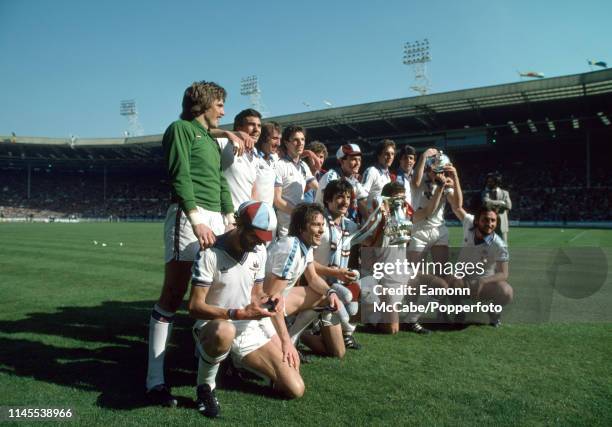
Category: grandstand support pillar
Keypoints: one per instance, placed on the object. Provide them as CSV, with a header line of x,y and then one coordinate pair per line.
x,y
588,159
29,180
104,192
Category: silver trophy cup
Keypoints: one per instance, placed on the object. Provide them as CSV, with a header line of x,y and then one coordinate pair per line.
x,y
398,228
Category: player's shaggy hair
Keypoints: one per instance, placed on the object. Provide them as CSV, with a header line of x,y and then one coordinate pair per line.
x,y
302,215
337,186
199,97
267,129
382,146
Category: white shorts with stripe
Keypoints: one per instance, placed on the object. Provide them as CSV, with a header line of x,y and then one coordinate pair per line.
x,y
180,244
424,238
250,335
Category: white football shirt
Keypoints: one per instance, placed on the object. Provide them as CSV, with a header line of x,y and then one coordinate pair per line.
x,y
239,171
421,197
230,281
266,177
490,251
292,177
288,257
374,179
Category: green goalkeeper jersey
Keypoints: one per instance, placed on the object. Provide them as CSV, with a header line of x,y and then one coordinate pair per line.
x,y
193,159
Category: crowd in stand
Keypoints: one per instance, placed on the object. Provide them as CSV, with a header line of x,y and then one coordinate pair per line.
x,y
556,192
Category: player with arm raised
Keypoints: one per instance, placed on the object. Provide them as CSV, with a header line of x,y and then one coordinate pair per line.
x,y
226,297
482,245
388,251
433,172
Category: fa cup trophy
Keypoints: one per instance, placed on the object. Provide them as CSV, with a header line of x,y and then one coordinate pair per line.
x,y
398,228
437,164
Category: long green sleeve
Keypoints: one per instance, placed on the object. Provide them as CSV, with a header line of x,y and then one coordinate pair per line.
x,y
193,161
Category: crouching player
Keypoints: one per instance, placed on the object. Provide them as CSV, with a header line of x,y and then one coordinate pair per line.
x,y
482,245
383,249
289,258
226,300
331,261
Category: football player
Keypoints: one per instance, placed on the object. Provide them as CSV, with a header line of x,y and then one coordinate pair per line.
x,y
349,160
288,258
226,297
375,177
482,245
201,209
293,177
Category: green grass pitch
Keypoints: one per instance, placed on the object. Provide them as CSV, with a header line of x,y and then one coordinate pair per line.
x,y
73,327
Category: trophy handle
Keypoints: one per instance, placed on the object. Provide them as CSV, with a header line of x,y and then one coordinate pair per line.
x,y
368,228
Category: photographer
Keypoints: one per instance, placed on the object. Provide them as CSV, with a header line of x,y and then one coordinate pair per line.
x,y
494,197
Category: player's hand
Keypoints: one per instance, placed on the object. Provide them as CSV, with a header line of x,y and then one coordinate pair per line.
x,y
280,303
384,208
229,222
345,275
334,301
449,183
242,142
205,235
254,312
450,169
290,355
316,161
277,300
430,152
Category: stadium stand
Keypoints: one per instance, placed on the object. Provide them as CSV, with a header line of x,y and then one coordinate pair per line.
x,y
548,139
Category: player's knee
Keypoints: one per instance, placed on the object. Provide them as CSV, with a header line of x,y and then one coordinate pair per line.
x,y
294,387
338,352
224,333
218,335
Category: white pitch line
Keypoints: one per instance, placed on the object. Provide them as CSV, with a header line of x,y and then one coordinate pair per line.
x,y
577,235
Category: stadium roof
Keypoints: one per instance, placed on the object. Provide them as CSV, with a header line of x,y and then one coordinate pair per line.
x,y
557,99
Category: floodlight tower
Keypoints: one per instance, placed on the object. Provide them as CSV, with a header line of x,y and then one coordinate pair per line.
x,y
416,56
249,86
127,108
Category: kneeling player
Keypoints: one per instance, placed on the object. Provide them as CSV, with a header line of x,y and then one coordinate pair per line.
x,y
331,261
225,297
289,258
383,250
482,245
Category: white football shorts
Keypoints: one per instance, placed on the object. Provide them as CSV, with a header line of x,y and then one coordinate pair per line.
x,y
180,244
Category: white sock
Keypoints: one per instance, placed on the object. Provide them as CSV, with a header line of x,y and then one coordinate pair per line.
x,y
208,366
348,329
302,321
160,327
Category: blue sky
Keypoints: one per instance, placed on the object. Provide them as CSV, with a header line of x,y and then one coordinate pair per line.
x,y
66,65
